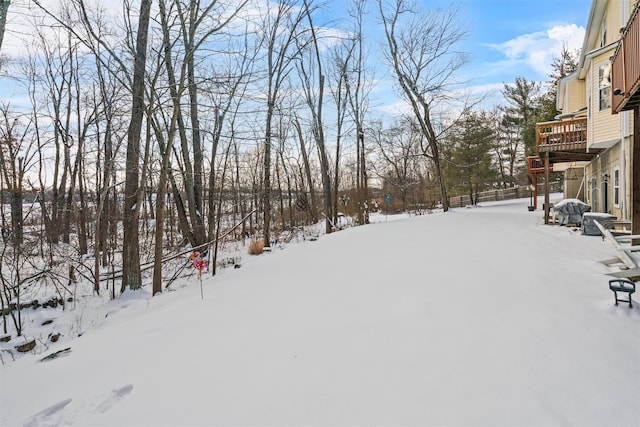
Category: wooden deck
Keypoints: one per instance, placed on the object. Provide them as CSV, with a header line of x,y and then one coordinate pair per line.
x,y
625,66
564,135
536,165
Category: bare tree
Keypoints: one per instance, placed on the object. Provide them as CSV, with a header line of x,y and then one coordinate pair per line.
x,y
280,30
340,62
197,25
314,96
131,275
16,154
307,170
357,90
225,92
398,148
421,52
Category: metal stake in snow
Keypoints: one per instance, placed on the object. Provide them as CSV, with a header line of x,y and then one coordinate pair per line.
x,y
199,264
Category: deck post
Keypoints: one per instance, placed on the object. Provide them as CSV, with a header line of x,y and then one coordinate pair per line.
x,y
635,176
535,191
546,187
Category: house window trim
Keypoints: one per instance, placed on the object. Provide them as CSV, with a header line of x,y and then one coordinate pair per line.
x,y
604,193
616,187
604,90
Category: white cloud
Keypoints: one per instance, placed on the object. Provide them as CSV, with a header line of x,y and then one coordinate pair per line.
x,y
571,34
395,107
537,50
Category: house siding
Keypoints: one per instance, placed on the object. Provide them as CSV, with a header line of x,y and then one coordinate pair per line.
x,y
604,126
575,99
614,20
601,171
609,136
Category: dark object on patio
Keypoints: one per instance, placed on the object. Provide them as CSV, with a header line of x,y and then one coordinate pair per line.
x,y
571,211
624,286
589,228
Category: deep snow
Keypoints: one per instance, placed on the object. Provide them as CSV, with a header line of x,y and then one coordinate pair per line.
x,y
480,316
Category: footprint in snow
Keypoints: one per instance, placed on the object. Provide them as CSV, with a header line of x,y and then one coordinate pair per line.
x,y
64,414
114,397
51,416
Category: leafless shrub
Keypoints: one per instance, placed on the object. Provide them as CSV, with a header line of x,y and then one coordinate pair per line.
x,y
256,247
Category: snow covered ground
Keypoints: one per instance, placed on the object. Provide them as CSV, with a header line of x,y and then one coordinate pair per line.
x,y
480,316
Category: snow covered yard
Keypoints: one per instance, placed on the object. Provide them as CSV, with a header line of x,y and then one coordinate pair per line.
x,y
480,316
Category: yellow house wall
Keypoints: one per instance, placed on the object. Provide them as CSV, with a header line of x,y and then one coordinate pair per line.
x,y
614,20
601,170
575,99
573,183
603,125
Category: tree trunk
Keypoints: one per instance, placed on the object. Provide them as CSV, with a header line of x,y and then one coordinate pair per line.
x,y
307,169
131,275
266,183
81,217
4,9
16,217
198,219
363,184
160,215
324,161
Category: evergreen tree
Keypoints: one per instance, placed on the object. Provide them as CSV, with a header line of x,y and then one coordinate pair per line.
x,y
470,167
520,113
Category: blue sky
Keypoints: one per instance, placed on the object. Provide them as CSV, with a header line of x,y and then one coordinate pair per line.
x,y
519,38
506,38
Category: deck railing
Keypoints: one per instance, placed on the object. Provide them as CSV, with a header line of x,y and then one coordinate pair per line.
x,y
536,165
564,135
625,68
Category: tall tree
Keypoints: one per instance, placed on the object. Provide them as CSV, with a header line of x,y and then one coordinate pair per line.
x,y
131,275
357,90
315,100
507,148
521,109
198,24
280,29
338,75
470,167
225,91
307,171
420,48
16,154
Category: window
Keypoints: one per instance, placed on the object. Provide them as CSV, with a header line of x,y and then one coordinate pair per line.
x,y
603,31
604,86
616,187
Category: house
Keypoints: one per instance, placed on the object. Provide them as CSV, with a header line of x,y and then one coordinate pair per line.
x,y
592,139
625,82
